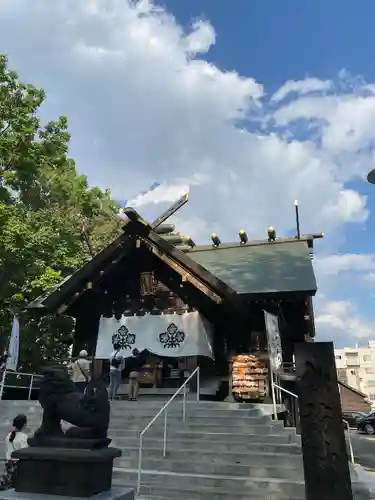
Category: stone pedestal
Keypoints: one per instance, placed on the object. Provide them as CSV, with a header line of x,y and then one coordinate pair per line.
x,y
65,472
113,494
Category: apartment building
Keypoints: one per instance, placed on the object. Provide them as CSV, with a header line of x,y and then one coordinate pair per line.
x,y
356,368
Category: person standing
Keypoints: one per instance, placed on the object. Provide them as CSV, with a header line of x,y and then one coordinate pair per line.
x,y
80,371
15,440
3,361
116,365
135,363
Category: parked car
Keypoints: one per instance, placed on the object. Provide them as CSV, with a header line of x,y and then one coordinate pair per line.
x,y
352,417
367,424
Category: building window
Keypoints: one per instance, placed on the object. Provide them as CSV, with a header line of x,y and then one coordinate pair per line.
x,y
352,372
369,370
370,383
352,358
338,357
366,358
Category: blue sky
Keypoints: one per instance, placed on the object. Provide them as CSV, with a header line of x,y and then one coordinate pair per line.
x,y
248,105
277,41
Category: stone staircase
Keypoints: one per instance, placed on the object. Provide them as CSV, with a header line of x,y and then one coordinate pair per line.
x,y
222,450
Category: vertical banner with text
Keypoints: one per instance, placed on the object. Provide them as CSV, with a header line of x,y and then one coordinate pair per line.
x,y
14,346
274,341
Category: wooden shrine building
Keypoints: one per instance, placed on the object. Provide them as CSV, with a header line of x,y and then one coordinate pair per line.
x,y
145,273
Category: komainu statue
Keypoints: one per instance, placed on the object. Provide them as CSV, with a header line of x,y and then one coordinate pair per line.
x,y
88,413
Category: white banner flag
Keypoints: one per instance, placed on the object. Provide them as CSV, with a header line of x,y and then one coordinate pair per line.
x,y
274,341
14,346
170,335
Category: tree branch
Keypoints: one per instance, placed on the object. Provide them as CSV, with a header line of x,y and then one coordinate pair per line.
x,y
2,132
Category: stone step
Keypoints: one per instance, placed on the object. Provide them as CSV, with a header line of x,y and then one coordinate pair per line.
x,y
247,457
165,493
187,466
121,410
219,417
199,409
236,417
216,446
211,483
172,494
206,437
190,410
162,493
204,433
264,409
216,416
120,421
173,428
218,449
217,441
125,407
159,464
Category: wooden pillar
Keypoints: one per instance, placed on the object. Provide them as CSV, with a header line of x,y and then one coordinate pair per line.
x,y
325,457
97,368
220,351
287,345
87,323
312,317
191,364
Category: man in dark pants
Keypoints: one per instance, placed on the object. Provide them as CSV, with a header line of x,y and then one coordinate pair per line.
x,y
134,365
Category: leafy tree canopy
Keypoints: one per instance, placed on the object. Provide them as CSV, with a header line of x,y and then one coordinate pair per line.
x,y
51,220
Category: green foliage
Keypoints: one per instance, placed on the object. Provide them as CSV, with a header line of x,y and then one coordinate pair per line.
x,y
18,129
51,220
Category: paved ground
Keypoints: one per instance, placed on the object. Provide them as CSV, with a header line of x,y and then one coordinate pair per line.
x,y
364,449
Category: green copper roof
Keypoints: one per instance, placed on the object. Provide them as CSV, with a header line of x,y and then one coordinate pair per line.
x,y
260,269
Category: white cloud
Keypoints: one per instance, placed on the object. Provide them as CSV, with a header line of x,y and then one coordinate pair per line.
x,y
332,265
349,206
302,87
351,276
201,38
343,320
370,278
145,106
339,319
346,121
163,193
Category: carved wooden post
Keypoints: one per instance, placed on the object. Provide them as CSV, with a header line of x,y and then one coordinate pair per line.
x,y
325,459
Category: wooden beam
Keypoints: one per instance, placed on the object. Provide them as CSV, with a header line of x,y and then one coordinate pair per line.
x,y
325,458
186,276
71,289
184,260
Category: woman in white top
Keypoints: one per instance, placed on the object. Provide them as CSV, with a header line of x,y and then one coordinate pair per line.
x,y
15,440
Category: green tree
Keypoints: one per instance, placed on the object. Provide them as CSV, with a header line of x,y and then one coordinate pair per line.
x,y
18,127
51,220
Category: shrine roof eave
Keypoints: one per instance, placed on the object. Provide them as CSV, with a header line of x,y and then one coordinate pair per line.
x,y
275,296
67,291
282,268
257,270
54,297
